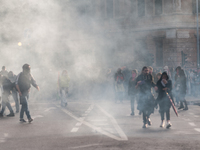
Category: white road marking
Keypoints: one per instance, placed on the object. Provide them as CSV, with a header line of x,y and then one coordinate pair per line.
x,y
196,116
197,129
5,134
49,109
99,120
114,122
192,124
94,127
74,130
2,140
78,124
84,146
191,113
37,116
186,119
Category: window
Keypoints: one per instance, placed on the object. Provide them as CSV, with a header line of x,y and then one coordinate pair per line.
x,y
194,6
159,52
158,7
109,8
117,8
141,8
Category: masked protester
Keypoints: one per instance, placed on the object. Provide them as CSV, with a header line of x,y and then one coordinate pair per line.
x,y
132,91
23,85
119,86
64,87
182,89
12,77
177,84
164,85
147,102
7,87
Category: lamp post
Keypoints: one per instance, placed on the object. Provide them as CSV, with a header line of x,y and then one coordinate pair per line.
x,y
197,11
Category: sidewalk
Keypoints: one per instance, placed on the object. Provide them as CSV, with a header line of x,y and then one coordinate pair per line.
x,y
192,100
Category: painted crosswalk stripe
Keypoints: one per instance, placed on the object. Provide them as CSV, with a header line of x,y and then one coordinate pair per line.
x,y
197,129
74,130
192,124
78,124
196,116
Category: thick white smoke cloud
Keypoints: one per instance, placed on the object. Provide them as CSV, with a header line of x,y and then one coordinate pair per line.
x,y
58,35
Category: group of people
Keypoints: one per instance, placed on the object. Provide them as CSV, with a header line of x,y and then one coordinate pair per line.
x,y
18,87
150,89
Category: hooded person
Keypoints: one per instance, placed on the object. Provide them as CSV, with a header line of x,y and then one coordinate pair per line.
x,y
146,100
132,91
23,85
164,85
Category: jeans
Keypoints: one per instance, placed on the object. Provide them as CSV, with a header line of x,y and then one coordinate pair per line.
x,y
24,103
15,97
5,102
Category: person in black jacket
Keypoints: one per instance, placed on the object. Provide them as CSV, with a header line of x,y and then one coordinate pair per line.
x,y
23,85
132,91
7,86
164,85
182,89
146,100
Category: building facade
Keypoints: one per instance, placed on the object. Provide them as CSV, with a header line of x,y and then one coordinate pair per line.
x,y
163,28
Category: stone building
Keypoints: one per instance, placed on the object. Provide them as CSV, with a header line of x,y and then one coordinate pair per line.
x,y
163,28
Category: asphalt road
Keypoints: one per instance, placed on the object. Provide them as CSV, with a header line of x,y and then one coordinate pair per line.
x,y
102,125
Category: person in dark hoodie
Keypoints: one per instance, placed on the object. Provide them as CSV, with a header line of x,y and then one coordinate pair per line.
x,y
182,89
164,85
23,85
132,91
146,100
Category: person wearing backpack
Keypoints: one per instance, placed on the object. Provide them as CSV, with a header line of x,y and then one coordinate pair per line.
x,y
7,87
23,85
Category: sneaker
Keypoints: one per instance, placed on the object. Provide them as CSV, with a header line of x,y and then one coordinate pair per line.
x,y
162,125
144,126
132,114
22,120
149,122
181,107
11,115
168,125
186,108
30,120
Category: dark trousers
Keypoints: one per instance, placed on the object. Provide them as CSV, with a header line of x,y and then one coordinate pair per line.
x,y
24,103
146,116
162,114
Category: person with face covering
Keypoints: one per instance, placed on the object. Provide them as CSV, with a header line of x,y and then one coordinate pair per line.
x,y
146,100
23,85
164,85
132,91
119,86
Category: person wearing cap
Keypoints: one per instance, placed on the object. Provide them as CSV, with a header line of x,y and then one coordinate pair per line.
x,y
23,85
